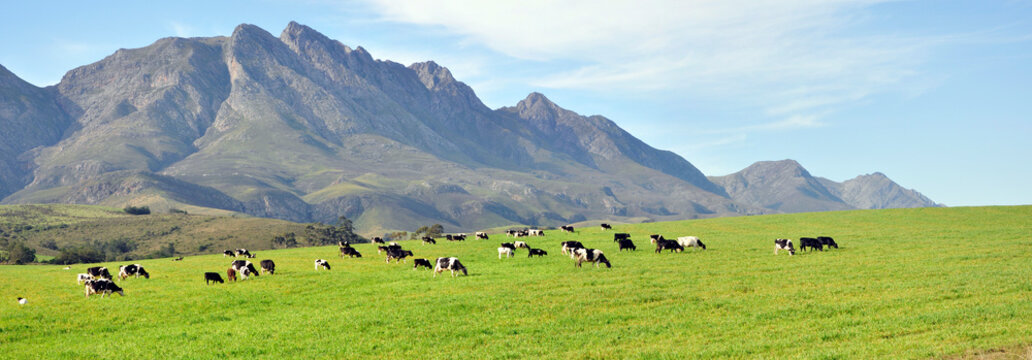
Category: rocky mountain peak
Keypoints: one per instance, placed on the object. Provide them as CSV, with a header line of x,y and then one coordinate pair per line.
x,y
433,76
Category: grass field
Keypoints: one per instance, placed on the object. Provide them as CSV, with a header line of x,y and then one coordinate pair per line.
x,y
907,283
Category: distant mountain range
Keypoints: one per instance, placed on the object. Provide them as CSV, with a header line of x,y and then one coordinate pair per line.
x,y
304,128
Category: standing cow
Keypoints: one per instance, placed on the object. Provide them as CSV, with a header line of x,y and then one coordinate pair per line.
x,y
451,264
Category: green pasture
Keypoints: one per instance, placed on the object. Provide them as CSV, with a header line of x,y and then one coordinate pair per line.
x,y
906,283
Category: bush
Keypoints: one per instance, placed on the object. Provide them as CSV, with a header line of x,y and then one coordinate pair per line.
x,y
137,210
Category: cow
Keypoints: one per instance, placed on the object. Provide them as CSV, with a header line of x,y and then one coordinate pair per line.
x,y
621,236
671,245
231,274
827,241
429,240
591,255
350,252
520,244
243,252
416,263
457,237
812,243
509,245
783,244
510,233
213,277
378,240
244,268
387,248
178,259
538,252
134,270
536,232
104,287
691,241
521,233
481,235
268,266
321,262
397,254
655,237
449,263
606,226
99,272
504,251
228,253
83,278
566,228
627,244
22,301
570,246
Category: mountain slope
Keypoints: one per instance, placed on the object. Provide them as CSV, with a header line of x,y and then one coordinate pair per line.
x,y
784,186
876,191
31,118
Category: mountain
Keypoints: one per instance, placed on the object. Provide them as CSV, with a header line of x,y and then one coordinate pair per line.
x,y
304,128
785,186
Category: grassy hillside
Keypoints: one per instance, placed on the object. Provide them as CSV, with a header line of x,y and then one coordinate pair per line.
x,y
906,283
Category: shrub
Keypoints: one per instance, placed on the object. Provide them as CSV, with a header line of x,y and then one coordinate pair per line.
x,y
137,210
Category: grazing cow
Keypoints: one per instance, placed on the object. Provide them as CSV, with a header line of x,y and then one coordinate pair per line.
x,y
509,245
397,254
243,252
538,252
378,240
510,233
783,244
655,237
449,263
104,287
429,240
566,228
231,274
522,233
22,301
178,259
627,244
671,245
808,242
135,270
591,255
570,246
827,241
520,244
387,248
606,226
504,251
481,235
83,278
212,277
691,241
416,263
99,272
350,252
321,262
244,268
268,266
228,253
536,232
458,237
621,236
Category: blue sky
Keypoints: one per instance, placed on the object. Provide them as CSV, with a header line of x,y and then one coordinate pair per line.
x,y
935,94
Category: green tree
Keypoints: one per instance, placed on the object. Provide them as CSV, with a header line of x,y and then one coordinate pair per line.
x,y
18,253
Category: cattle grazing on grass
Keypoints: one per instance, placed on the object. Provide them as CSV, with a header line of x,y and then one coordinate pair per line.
x,y
504,251
244,268
521,233
212,277
178,259
268,266
378,240
827,241
520,244
570,246
783,244
104,287
627,244
808,242
451,264
605,226
457,237
510,233
663,244
621,236
228,253
231,274
591,255
135,270
509,245
655,237
416,263
566,228
536,232
243,252
429,240
397,254
83,278
538,252
350,252
393,246
99,272
322,263
481,235
691,241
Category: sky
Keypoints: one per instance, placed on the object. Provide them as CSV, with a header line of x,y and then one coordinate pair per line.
x,y
937,95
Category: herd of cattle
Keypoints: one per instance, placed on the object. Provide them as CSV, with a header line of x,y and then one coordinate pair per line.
x,y
97,280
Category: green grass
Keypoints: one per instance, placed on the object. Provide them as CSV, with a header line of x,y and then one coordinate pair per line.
x,y
909,283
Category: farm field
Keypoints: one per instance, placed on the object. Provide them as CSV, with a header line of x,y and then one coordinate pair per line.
x,y
905,283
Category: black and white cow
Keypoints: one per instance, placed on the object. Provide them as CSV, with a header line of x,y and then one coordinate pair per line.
x,y
570,246
783,244
606,226
104,287
99,272
456,237
655,237
416,263
397,254
663,244
504,251
244,268
213,277
827,241
83,278
228,253
481,235
536,232
520,244
350,252
691,241
627,244
510,232
380,249
591,255
449,263
566,228
322,263
538,252
509,245
243,252
267,266
135,270
812,243
378,240
429,240
521,233
621,236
